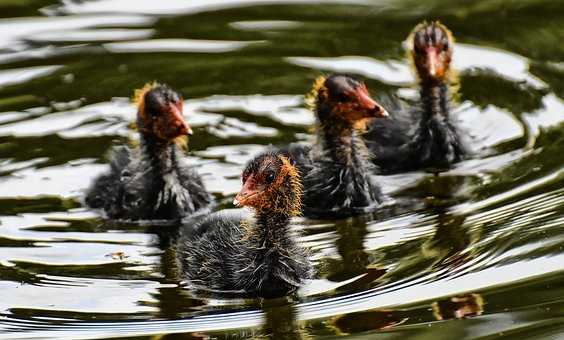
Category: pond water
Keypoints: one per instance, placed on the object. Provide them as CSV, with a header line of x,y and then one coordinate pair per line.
x,y
481,257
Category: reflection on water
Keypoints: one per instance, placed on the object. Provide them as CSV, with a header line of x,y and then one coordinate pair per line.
x,y
459,307
469,253
367,321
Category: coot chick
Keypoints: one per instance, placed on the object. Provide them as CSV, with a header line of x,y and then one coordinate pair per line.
x,y
336,170
153,181
423,135
231,253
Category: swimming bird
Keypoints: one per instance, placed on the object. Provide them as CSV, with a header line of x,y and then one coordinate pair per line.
x,y
232,253
337,173
421,135
152,181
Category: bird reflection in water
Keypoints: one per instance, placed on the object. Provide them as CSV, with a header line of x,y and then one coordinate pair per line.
x,y
459,307
366,321
448,245
280,321
182,336
173,301
455,307
354,260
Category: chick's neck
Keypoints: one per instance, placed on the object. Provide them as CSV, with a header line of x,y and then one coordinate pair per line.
x,y
338,139
160,153
434,98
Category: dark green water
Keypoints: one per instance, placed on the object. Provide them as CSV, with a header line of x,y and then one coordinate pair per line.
x,y
483,258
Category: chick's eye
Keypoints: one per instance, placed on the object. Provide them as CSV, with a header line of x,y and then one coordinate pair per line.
x,y
270,177
343,98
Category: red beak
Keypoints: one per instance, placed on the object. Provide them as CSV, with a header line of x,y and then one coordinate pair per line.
x,y
432,59
247,191
367,103
178,121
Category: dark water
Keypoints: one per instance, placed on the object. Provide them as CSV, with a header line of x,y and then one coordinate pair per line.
x,y
483,258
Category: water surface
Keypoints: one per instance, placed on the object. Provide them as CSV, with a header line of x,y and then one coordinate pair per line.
x,y
481,256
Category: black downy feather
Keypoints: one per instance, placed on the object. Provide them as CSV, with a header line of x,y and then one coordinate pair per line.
x,y
221,255
332,188
231,252
152,182
337,173
422,136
